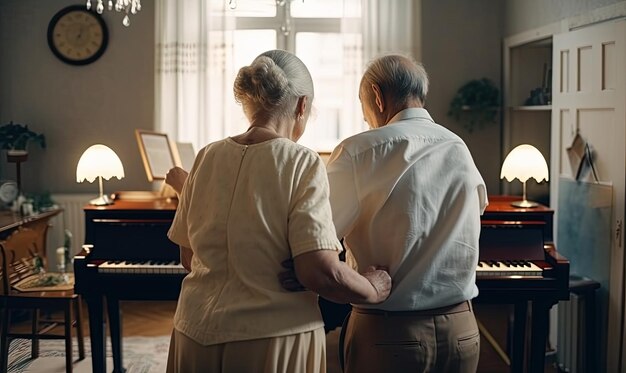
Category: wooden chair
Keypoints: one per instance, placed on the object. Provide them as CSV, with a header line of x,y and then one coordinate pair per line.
x,y
17,258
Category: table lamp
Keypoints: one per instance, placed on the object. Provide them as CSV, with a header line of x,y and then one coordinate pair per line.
x,y
99,161
524,162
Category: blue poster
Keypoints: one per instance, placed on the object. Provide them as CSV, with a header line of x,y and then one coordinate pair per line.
x,y
584,237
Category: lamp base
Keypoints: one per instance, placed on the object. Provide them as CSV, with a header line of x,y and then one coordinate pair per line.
x,y
101,201
525,204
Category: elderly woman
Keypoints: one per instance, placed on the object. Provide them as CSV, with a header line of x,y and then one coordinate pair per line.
x,y
250,202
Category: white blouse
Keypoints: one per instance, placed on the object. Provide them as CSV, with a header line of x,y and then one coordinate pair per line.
x,y
243,210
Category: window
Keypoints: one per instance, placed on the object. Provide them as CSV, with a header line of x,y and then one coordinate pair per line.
x,y
315,31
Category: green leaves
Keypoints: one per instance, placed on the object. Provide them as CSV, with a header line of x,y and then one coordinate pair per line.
x,y
17,136
476,104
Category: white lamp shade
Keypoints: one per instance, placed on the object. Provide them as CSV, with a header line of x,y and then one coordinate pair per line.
x,y
99,160
524,162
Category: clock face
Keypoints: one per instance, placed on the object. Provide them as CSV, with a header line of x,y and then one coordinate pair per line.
x,y
77,36
8,191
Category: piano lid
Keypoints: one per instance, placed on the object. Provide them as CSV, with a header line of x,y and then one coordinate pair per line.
x,y
511,242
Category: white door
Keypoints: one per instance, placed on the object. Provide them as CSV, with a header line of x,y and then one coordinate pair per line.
x,y
589,96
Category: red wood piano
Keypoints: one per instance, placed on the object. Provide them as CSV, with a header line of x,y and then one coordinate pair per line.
x,y
530,272
129,257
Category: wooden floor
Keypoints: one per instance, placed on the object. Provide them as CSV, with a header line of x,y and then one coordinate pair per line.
x,y
152,318
147,318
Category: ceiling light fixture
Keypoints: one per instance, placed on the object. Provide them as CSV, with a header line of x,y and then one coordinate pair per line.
x,y
232,4
127,6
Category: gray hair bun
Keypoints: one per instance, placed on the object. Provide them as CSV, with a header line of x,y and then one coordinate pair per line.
x,y
262,84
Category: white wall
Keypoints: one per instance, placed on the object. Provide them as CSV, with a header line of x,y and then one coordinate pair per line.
x,y
75,106
461,41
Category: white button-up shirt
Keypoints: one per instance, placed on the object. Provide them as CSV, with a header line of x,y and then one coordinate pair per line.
x,y
408,196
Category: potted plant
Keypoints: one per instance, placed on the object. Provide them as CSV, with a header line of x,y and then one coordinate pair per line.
x,y
477,103
15,137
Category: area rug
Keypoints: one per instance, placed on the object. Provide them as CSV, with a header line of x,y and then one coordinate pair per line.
x,y
141,355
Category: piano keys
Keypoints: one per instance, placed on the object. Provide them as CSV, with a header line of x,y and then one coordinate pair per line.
x,y
142,267
512,250
513,269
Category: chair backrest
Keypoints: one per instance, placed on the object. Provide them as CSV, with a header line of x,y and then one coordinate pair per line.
x,y
19,255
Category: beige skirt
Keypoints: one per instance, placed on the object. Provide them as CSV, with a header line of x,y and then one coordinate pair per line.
x,y
297,353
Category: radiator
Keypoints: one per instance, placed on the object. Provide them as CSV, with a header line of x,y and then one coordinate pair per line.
x,y
72,218
572,347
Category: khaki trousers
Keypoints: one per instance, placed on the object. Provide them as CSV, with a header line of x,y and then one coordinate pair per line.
x,y
446,340
305,352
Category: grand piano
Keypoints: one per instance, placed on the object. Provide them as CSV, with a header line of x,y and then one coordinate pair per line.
x,y
127,256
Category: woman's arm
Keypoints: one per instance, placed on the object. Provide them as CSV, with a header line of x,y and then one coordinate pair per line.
x,y
322,272
185,257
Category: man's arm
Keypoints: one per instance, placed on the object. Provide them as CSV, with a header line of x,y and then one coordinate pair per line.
x,y
322,272
344,199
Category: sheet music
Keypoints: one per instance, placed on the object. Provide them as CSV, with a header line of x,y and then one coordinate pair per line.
x,y
186,154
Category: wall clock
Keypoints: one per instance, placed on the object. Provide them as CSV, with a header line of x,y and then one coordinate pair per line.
x,y
77,36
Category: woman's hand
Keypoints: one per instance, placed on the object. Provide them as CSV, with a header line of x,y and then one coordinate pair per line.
x,y
321,271
288,279
380,280
175,178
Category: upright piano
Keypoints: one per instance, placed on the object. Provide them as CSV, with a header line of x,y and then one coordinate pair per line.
x,y
528,270
128,256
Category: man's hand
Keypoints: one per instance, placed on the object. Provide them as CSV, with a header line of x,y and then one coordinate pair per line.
x,y
380,280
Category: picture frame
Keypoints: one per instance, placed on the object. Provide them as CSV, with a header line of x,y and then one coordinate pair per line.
x,y
157,153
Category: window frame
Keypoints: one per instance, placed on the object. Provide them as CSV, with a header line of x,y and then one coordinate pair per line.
x,y
287,41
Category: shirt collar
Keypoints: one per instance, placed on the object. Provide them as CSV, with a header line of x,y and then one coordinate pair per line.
x,y
411,113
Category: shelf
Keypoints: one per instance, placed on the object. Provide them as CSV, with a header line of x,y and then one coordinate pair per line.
x,y
469,108
532,108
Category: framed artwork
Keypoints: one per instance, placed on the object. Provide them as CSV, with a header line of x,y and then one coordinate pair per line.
x,y
156,152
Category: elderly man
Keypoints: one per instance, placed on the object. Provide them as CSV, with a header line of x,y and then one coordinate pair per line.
x,y
406,194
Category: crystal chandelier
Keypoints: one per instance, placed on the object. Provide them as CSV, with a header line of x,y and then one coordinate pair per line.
x,y
232,4
127,6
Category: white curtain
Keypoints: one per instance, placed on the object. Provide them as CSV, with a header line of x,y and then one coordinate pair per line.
x,y
353,67
194,62
385,26
388,27
193,50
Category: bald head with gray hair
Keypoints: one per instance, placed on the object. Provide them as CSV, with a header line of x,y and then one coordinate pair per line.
x,y
401,80
272,84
